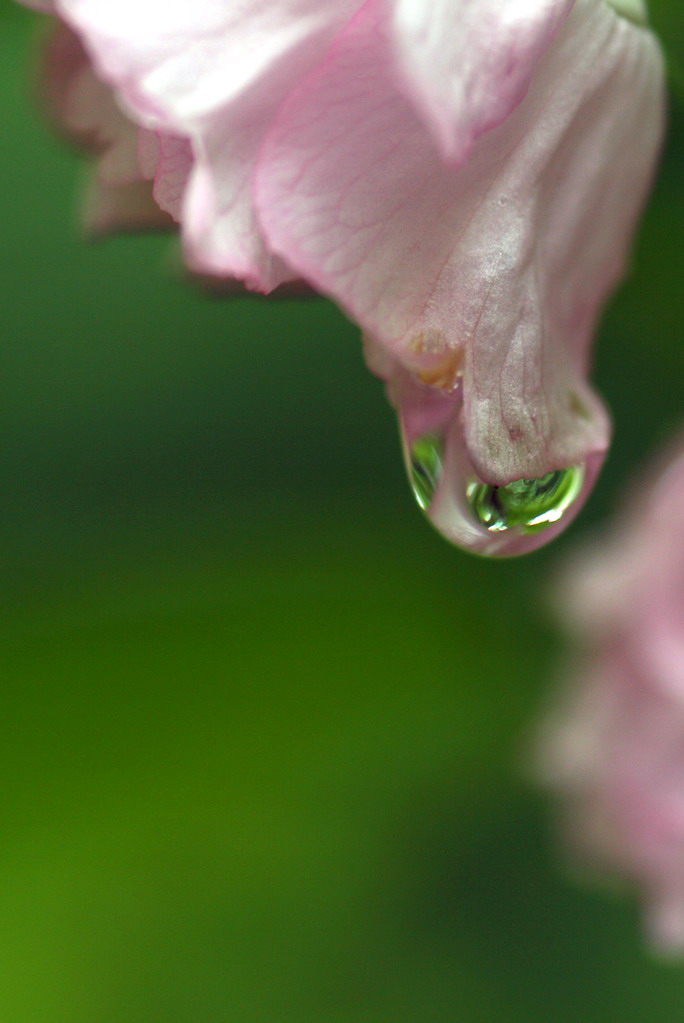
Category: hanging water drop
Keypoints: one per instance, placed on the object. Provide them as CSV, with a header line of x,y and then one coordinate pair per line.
x,y
526,505
483,518
425,468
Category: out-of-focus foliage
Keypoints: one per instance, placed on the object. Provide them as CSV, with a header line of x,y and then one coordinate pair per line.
x,y
260,728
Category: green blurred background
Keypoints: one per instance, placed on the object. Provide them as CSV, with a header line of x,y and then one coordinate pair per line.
x,y
261,729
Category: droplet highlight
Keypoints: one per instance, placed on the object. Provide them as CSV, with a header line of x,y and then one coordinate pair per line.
x,y
526,505
425,468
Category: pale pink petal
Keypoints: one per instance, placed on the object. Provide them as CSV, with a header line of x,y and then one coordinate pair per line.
x,y
178,62
214,73
167,161
221,233
494,272
467,63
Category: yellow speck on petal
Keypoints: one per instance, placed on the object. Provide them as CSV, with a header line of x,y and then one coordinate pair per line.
x,y
445,373
441,365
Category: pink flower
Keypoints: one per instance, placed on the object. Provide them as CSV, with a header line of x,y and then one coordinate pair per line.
x,y
461,176
614,750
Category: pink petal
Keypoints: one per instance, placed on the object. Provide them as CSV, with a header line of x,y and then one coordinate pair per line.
x,y
178,62
214,73
221,233
466,64
168,161
493,272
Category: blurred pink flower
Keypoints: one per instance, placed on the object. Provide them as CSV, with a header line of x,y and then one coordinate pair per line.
x,y
461,176
614,749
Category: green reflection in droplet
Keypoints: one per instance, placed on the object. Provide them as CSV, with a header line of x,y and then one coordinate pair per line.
x,y
425,468
529,505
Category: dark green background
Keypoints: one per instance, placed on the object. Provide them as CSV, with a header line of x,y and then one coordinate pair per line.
x,y
260,729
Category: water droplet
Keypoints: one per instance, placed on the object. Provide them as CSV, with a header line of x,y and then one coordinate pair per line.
x,y
492,521
527,505
425,468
